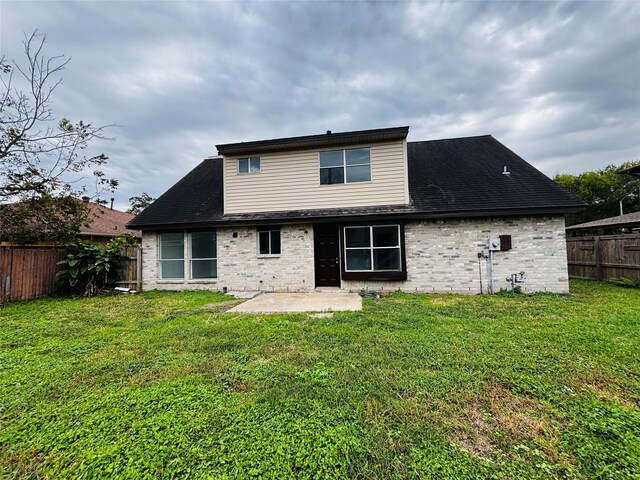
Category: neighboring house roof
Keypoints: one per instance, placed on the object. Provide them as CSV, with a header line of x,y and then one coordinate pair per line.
x,y
106,222
620,221
635,171
447,178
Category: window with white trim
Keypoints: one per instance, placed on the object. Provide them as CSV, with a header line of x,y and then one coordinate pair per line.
x,y
203,255
171,255
249,165
372,248
269,241
345,166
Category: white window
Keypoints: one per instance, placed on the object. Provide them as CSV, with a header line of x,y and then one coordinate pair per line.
x,y
203,255
171,255
372,248
249,165
345,166
269,241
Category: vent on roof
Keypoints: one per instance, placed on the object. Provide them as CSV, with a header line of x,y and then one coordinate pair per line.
x,y
328,132
505,171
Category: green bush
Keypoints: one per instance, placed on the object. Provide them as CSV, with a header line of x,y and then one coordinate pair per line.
x,y
626,282
89,267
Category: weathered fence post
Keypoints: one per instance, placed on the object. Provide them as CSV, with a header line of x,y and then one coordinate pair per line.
x,y
598,257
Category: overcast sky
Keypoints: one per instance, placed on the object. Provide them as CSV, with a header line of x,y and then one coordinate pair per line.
x,y
558,83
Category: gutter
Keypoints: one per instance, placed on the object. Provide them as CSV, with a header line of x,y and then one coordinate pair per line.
x,y
362,218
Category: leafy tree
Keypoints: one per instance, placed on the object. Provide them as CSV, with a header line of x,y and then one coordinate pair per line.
x,y
138,204
602,190
43,161
43,218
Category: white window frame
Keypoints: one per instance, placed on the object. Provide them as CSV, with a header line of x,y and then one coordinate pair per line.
x,y
372,248
268,230
249,160
160,259
191,259
344,165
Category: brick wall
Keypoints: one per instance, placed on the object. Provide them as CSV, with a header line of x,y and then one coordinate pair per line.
x,y
239,266
441,257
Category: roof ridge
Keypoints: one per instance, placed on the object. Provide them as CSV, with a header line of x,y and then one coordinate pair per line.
x,y
487,135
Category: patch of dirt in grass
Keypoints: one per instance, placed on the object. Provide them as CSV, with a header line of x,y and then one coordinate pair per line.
x,y
476,437
498,420
221,307
604,388
26,464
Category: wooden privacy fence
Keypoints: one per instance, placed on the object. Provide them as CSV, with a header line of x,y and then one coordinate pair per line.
x,y
28,272
604,257
130,274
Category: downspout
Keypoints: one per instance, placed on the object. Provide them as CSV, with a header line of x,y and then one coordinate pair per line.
x,y
490,271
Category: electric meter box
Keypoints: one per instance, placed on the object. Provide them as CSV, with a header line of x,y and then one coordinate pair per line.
x,y
494,244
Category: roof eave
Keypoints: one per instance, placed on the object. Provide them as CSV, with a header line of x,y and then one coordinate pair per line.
x,y
553,210
314,141
633,171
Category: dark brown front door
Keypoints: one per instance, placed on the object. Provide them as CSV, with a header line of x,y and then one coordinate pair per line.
x,y
327,255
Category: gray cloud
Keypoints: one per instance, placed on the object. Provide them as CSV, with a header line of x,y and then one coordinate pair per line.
x,y
559,83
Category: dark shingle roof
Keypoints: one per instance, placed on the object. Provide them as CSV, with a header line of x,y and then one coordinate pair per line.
x,y
465,174
447,178
314,141
196,198
626,220
635,171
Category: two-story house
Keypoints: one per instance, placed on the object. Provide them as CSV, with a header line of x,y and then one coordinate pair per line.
x,y
354,210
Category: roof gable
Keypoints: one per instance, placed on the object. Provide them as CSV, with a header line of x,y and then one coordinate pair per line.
x,y
447,178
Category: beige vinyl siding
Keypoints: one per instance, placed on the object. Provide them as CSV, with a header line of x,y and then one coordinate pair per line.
x,y
291,181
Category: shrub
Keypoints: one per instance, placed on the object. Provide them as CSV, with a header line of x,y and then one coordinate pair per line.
x,y
89,267
626,282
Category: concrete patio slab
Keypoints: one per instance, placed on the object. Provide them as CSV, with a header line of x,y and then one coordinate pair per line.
x,y
300,302
245,295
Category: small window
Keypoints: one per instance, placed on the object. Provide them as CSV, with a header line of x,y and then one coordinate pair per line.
x,y
203,255
345,166
171,255
372,248
269,241
249,165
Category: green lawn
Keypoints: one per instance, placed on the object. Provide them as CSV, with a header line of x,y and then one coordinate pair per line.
x,y
414,386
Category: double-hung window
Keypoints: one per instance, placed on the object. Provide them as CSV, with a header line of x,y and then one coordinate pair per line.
x,y
203,255
249,165
269,241
373,248
345,166
171,257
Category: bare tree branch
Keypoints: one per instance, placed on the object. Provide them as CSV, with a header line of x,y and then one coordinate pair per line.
x,y
43,165
37,157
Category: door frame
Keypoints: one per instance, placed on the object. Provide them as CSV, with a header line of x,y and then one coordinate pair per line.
x,y
339,254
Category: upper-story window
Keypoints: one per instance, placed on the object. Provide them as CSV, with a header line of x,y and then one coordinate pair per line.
x,y
249,165
345,166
